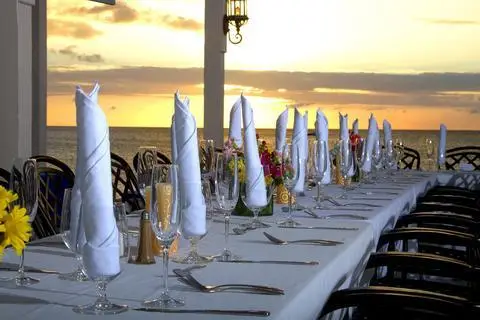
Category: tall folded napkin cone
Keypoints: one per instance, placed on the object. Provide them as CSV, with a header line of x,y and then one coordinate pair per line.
x,y
256,190
235,128
298,140
281,131
371,136
321,133
101,250
345,136
184,141
355,127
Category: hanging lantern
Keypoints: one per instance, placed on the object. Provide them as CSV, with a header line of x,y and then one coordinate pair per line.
x,y
235,16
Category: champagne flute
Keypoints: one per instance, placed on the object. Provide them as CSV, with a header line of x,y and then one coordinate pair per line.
x,y
192,256
399,152
102,305
256,201
25,182
291,162
147,158
346,161
165,200
227,189
74,245
207,158
430,146
377,157
320,164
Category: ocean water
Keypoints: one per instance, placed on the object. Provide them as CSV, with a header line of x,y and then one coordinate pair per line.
x,y
62,141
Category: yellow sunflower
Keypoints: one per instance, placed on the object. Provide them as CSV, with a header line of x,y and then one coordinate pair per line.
x,y
15,228
6,197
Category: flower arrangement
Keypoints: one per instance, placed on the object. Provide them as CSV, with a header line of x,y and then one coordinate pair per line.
x,y
15,229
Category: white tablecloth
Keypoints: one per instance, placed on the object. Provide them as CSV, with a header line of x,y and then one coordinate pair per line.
x,y
306,287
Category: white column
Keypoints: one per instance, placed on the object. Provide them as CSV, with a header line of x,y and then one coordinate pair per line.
x,y
214,71
15,80
39,70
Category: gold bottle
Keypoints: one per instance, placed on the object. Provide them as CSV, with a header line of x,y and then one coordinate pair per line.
x,y
145,253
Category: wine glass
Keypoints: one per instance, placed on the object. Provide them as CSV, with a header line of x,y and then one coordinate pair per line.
x,y
377,157
430,146
165,200
147,158
346,161
291,162
25,182
102,305
256,201
399,152
320,165
207,158
227,189
74,245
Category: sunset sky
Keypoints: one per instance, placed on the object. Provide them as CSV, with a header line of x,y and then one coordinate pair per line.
x,y
414,62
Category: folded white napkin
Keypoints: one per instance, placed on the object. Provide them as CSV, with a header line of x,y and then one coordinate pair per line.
x,y
101,250
298,140
355,126
305,148
281,131
184,140
321,132
345,136
442,144
235,128
255,184
387,134
372,133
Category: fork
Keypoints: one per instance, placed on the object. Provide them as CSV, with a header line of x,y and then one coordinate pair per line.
x,y
188,279
335,202
307,241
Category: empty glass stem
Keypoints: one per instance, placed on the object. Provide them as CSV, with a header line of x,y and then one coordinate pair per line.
x,y
227,232
165,268
21,270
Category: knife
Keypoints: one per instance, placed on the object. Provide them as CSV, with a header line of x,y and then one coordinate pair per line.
x,y
30,270
346,209
297,263
254,313
318,227
374,199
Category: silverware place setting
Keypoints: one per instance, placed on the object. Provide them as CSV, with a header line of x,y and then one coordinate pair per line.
x,y
320,228
374,199
244,313
371,193
321,242
339,216
188,279
339,204
28,270
295,263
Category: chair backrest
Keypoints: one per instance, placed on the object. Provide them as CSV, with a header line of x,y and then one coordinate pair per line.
x,y
161,159
55,177
124,183
4,178
410,160
468,154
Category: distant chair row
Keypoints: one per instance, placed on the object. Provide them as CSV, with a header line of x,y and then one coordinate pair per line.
x,y
453,158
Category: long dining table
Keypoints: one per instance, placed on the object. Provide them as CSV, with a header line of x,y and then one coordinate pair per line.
x,y
306,287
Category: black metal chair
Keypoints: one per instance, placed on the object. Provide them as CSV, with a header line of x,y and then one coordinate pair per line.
x,y
4,178
380,303
124,183
410,160
161,159
468,154
55,177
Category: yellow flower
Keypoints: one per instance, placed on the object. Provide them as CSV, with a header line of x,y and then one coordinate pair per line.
x,y
6,197
15,228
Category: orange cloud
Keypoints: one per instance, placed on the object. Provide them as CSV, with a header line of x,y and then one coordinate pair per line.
x,y
72,29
